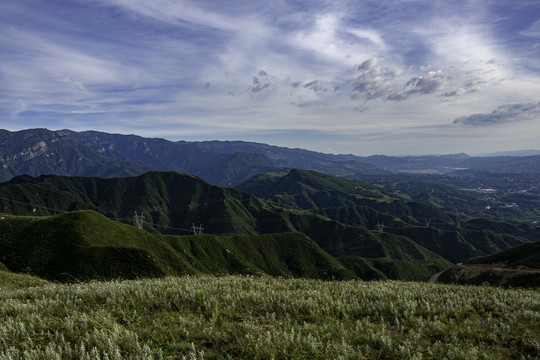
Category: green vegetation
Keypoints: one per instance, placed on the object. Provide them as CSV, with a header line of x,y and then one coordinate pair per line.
x,y
9,280
306,189
412,229
465,193
206,317
85,245
341,216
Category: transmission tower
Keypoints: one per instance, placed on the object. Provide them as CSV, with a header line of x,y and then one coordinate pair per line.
x,y
380,226
458,219
197,230
139,220
427,221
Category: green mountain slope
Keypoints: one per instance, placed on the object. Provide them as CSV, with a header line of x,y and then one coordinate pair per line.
x,y
85,245
172,203
524,256
512,197
307,189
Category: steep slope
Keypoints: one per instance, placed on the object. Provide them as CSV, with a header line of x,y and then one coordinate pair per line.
x,y
171,202
517,266
306,189
309,190
85,245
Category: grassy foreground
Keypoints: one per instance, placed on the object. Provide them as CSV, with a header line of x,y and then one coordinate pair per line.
x,y
244,317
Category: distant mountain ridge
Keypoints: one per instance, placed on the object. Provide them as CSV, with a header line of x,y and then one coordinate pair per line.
x,y
227,163
218,162
443,164
40,151
528,152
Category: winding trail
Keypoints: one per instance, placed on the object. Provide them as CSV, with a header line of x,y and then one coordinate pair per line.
x,y
434,278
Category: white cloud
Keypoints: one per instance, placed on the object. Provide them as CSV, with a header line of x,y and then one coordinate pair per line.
x,y
371,35
426,84
374,81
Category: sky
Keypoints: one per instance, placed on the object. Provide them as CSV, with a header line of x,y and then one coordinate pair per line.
x,y
393,77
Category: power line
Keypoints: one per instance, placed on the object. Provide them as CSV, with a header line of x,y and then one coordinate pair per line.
x,y
33,205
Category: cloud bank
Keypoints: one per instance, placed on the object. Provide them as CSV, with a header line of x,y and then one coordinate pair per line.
x,y
503,114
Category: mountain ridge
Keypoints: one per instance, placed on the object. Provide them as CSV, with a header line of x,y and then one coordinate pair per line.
x,y
93,153
173,202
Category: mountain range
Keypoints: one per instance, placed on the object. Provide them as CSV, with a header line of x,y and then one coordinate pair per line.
x,y
407,218
227,163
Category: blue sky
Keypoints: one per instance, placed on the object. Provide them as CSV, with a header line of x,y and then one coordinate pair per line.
x,y
361,77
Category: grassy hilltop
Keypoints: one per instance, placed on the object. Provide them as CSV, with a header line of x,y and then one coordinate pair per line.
x,y
238,317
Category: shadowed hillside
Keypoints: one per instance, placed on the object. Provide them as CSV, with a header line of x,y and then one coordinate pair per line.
x,y
517,266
